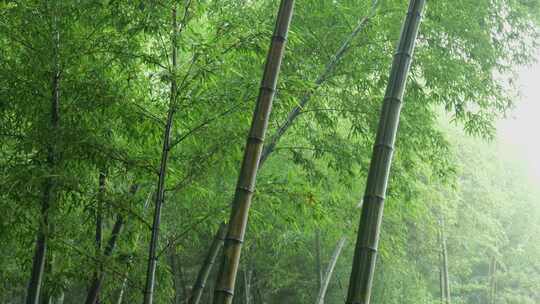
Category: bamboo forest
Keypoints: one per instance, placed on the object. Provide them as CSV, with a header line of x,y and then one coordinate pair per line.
x,y
269,151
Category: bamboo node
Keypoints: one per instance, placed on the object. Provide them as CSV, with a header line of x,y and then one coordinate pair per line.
x,y
379,198
228,291
406,54
393,99
255,139
415,14
234,240
384,145
279,38
267,89
369,248
245,189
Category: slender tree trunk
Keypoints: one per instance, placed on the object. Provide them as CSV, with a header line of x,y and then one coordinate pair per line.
x,y
99,223
94,289
46,296
365,254
182,282
160,189
93,292
330,270
493,281
207,265
177,284
122,290
444,273
224,290
441,280
247,286
120,296
49,185
321,79
444,252
318,257
60,299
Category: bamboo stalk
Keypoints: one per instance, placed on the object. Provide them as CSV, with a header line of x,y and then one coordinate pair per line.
x,y
363,268
318,262
224,290
94,289
441,280
93,292
160,189
121,292
120,296
330,270
207,265
446,281
40,254
247,286
102,178
493,280
173,261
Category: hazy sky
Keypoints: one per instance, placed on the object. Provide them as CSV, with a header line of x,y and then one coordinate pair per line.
x,y
520,133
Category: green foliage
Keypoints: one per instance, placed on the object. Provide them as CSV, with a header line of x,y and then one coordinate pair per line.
x,y
114,84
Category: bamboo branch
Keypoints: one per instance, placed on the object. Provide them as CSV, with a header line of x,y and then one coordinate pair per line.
x,y
321,79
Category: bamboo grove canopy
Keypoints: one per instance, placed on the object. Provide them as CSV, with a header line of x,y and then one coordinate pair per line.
x,y
123,127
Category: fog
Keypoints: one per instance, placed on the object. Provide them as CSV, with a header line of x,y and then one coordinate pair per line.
x,y
519,133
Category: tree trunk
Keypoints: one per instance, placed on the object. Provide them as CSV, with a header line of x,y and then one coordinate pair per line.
x,y
321,79
363,269
493,281
59,299
49,185
247,286
441,280
330,270
120,296
93,292
207,265
121,291
160,189
99,223
444,276
444,252
318,258
224,290
179,291
94,289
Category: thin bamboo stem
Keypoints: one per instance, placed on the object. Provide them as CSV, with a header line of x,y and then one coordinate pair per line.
x,y
49,185
207,265
318,253
92,296
330,270
160,189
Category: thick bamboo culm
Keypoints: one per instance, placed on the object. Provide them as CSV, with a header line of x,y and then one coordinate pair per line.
x,y
224,290
363,268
